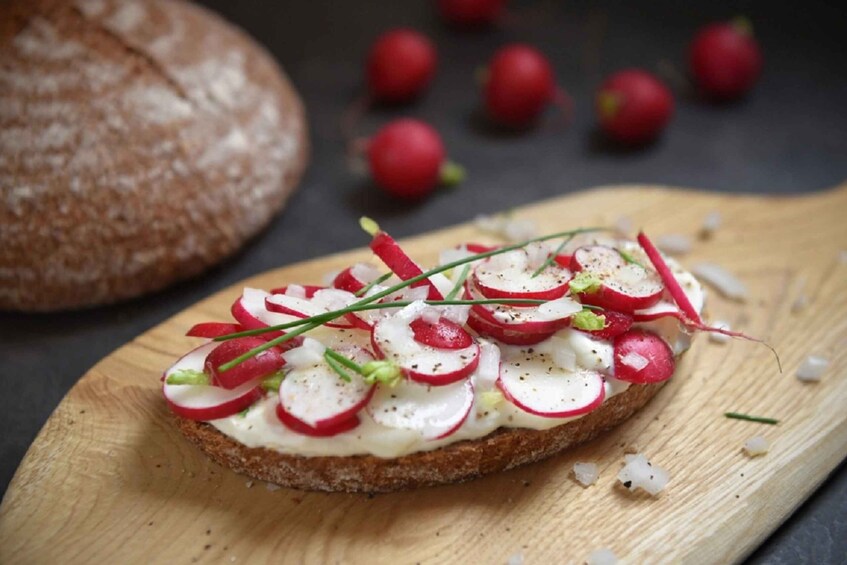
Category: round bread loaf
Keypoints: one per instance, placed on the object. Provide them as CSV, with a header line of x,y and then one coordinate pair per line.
x,y
503,449
140,143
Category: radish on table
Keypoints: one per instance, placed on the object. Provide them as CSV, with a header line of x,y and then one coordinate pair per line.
x,y
633,106
725,59
400,65
470,13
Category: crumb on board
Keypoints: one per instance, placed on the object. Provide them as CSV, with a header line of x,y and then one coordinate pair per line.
x,y
586,473
756,446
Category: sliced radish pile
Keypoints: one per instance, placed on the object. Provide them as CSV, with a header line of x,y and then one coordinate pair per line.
x,y
549,317
669,280
534,383
626,287
317,396
393,338
502,333
320,302
661,309
250,311
384,246
305,429
206,402
642,357
214,329
356,277
510,275
434,411
265,363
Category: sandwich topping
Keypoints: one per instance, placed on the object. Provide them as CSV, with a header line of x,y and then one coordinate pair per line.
x,y
530,335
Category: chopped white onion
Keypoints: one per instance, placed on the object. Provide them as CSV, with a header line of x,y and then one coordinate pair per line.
x,y
329,277
674,243
640,473
295,291
812,368
634,360
722,280
586,473
308,354
431,315
711,223
516,559
603,556
718,337
364,272
756,446
623,225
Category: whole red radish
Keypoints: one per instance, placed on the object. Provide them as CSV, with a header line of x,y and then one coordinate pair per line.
x,y
725,59
407,159
519,86
400,65
633,106
470,13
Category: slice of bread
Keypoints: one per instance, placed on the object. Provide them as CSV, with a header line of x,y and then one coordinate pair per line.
x,y
500,450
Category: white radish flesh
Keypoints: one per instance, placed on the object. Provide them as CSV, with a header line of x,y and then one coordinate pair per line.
x,y
625,287
250,311
434,411
510,275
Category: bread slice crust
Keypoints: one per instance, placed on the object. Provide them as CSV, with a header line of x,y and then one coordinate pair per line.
x,y
503,449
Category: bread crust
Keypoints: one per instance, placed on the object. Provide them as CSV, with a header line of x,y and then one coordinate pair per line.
x,y
140,143
503,449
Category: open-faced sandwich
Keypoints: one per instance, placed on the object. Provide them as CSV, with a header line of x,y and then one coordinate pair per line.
x,y
498,357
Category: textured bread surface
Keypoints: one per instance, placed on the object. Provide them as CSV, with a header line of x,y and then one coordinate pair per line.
x,y
502,449
141,141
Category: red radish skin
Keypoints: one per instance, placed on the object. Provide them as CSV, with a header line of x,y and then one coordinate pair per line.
x,y
308,289
262,365
615,293
250,311
470,13
519,86
390,252
725,59
343,322
659,356
346,281
444,334
212,330
407,159
510,337
633,107
563,260
305,429
487,313
479,247
616,324
668,279
400,65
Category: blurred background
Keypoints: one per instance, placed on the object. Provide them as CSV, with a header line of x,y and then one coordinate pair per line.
x,y
789,135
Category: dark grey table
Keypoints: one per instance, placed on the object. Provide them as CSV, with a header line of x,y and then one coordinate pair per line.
x,y
789,136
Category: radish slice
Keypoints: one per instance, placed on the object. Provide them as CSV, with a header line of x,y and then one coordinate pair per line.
x,y
322,301
434,411
317,396
535,384
642,358
670,281
305,429
661,309
265,363
384,246
510,275
393,338
250,312
441,334
549,317
626,287
206,402
616,324
214,329
356,277
505,335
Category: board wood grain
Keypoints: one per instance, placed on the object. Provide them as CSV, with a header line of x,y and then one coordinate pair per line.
x,y
109,479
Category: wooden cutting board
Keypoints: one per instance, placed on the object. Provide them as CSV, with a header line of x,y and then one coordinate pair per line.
x,y
110,480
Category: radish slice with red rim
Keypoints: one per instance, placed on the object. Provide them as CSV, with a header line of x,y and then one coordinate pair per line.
x,y
548,317
322,301
510,275
533,383
626,287
503,334
356,277
265,363
212,330
317,396
434,411
390,252
642,357
250,311
206,402
393,338
667,276
305,429
615,324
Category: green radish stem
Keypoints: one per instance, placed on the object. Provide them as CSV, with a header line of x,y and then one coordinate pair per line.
x,y
551,257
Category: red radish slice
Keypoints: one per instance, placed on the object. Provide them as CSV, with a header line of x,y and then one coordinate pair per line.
x,y
443,334
317,396
616,324
626,287
533,383
563,260
510,275
661,309
501,333
265,363
549,317
394,339
322,301
206,402
305,429
250,312
214,329
298,290
434,411
642,358
480,248
387,249
670,281
356,277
